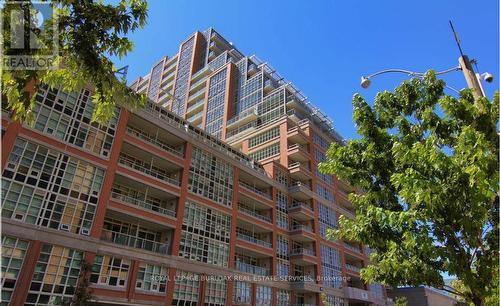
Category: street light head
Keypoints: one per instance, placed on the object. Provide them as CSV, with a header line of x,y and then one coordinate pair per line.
x,y
488,77
365,82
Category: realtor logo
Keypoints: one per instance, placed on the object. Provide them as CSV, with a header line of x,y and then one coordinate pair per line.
x,y
29,37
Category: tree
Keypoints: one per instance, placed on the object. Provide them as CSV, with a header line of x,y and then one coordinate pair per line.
x,y
427,165
83,294
89,33
400,301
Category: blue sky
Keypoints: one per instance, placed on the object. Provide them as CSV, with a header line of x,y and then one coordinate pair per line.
x,y
324,47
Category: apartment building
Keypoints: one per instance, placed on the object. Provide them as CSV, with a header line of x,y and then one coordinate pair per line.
x,y
209,195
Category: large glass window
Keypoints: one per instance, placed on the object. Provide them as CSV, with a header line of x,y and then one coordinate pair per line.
x,y
242,293
263,296
186,290
211,177
182,78
331,266
50,189
56,276
215,292
13,253
282,297
264,137
332,300
110,271
215,104
266,152
68,117
205,235
327,219
152,278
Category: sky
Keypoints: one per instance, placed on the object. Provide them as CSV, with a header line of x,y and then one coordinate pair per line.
x,y
324,47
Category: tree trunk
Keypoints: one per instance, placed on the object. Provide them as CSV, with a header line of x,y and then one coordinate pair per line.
x,y
477,301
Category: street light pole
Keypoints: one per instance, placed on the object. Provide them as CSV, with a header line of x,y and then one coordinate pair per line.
x,y
471,77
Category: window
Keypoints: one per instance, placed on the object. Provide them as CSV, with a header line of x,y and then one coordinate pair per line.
x,y
152,278
263,295
215,292
110,271
56,276
331,267
182,77
332,300
283,267
325,193
186,289
242,293
211,177
13,253
327,219
215,103
266,136
205,235
68,117
266,152
282,297
50,189
320,141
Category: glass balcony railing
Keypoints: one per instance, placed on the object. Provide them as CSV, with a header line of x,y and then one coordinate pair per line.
x,y
352,267
301,227
155,141
352,247
134,242
254,213
248,268
158,173
303,251
299,204
255,189
254,240
143,204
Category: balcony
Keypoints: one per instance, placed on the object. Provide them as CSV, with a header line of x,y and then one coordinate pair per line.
x,y
352,247
203,72
300,191
201,83
269,85
255,189
302,232
195,108
252,69
254,240
196,119
297,135
242,118
156,141
303,256
298,153
134,242
151,169
352,268
301,211
252,269
143,201
300,171
357,294
136,232
254,213
197,95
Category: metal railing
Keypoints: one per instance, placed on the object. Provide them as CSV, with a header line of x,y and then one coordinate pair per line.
x,y
156,111
298,165
127,162
254,240
302,251
248,268
134,242
143,203
254,189
194,106
254,214
352,247
153,140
